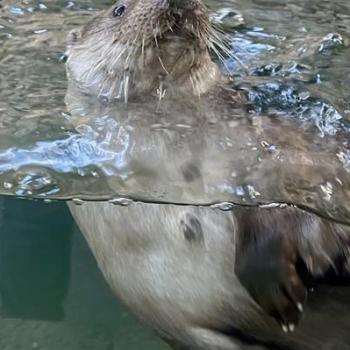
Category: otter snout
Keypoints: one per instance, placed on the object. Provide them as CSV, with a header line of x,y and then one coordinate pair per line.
x,y
143,47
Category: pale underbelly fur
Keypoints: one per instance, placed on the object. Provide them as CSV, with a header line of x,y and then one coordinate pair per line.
x,y
151,265
176,281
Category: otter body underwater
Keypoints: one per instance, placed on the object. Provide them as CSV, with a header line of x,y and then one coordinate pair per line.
x,y
202,278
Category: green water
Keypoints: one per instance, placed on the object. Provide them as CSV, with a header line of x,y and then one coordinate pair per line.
x,y
52,294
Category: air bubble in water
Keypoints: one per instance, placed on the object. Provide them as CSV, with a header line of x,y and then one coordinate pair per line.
x,y
124,202
224,206
8,185
77,201
273,205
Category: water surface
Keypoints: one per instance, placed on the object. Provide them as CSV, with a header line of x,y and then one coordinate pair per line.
x,y
291,59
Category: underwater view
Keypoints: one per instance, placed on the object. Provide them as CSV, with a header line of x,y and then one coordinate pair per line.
x,y
288,145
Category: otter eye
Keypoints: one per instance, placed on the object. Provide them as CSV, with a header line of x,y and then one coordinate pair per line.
x,y
119,11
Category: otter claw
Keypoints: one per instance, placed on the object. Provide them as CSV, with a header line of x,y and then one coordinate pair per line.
x,y
290,328
300,307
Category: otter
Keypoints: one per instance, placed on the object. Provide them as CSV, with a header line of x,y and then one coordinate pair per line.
x,y
201,277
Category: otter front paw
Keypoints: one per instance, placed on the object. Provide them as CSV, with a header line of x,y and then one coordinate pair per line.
x,y
267,268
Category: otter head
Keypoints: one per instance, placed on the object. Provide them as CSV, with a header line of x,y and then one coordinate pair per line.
x,y
140,47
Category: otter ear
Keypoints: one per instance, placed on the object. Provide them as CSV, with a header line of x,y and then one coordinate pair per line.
x,y
73,36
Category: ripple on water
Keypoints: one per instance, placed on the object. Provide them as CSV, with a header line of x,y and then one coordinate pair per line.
x,y
291,61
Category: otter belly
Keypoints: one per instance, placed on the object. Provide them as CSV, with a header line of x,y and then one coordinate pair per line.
x,y
172,266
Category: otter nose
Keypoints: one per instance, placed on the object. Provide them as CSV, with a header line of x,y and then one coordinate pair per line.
x,y
196,6
183,4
